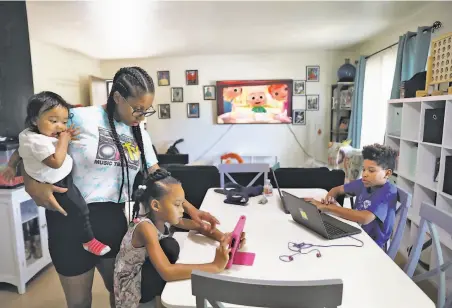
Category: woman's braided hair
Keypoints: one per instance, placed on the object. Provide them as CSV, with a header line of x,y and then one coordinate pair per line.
x,y
128,82
154,187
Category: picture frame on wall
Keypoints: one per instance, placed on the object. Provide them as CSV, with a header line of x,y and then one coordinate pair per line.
x,y
299,117
193,110
313,73
299,87
164,111
177,95
163,78
210,93
312,102
191,77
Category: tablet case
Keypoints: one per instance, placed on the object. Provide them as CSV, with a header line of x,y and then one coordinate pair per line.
x,y
237,257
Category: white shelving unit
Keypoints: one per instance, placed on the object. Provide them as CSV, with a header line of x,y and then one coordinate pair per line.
x,y
417,160
21,222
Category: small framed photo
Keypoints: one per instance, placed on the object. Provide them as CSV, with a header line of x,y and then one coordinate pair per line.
x,y
313,73
299,87
343,123
299,117
164,111
193,110
177,95
312,102
163,78
191,77
209,93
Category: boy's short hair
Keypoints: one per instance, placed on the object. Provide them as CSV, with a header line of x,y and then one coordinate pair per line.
x,y
382,155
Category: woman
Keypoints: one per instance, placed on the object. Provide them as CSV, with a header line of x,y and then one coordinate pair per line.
x,y
107,157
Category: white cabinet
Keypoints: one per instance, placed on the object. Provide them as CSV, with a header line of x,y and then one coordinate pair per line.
x,y
23,238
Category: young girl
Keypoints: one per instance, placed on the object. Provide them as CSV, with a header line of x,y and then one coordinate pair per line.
x,y
162,198
43,147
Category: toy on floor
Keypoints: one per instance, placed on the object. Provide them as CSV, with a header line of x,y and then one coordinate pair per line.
x,y
237,257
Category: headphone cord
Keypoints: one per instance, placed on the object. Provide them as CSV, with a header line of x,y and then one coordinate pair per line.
x,y
299,247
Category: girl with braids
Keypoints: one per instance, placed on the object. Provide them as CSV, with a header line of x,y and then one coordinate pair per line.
x,y
110,153
161,197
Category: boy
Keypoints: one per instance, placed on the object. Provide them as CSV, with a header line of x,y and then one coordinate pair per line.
x,y
376,197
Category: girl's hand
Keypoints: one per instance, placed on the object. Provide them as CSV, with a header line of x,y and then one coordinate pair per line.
x,y
9,173
42,194
222,253
242,239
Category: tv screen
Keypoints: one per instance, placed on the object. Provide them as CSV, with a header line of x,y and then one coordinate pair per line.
x,y
254,101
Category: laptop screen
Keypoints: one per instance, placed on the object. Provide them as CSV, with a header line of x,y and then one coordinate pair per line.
x,y
277,185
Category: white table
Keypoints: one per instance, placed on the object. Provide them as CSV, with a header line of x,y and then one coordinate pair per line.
x,y
371,279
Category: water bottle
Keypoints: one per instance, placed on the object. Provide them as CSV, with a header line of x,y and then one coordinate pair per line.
x,y
268,189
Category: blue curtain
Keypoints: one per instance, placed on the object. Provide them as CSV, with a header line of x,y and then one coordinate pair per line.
x,y
354,129
411,57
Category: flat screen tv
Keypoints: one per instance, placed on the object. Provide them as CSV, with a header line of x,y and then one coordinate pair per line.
x,y
254,101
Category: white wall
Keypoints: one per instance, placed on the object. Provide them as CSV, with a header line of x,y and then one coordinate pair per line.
x,y
431,12
202,133
62,71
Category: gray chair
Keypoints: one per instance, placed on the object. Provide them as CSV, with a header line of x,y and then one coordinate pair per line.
x,y
431,217
217,289
226,169
404,198
402,211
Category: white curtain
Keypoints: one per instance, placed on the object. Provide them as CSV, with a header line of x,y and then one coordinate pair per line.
x,y
379,76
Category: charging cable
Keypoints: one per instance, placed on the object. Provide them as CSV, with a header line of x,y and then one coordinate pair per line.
x,y
298,248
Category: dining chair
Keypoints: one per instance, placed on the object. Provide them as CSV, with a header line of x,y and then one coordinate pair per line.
x,y
217,289
227,169
404,198
432,217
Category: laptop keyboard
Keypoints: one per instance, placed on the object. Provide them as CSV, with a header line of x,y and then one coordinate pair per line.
x,y
332,230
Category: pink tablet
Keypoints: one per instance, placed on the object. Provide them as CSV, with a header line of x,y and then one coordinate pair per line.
x,y
237,257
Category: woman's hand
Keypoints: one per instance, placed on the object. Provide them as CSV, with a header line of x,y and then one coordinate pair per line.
x,y
222,253
9,173
42,194
201,217
329,199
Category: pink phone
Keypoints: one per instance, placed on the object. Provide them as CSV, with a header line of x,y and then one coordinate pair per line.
x,y
237,257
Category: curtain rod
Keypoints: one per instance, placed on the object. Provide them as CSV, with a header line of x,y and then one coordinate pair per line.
x,y
436,25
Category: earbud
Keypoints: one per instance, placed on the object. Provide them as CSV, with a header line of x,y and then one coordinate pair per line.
x,y
318,254
290,258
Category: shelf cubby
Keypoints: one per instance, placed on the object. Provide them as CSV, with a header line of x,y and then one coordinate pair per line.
x,y
428,105
442,170
425,168
447,133
407,165
410,121
394,124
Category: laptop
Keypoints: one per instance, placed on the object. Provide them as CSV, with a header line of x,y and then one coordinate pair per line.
x,y
283,202
308,215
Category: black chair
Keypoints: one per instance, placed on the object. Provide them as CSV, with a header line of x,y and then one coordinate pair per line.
x,y
196,180
309,178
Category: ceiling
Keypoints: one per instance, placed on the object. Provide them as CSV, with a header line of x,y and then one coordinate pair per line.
x,y
132,29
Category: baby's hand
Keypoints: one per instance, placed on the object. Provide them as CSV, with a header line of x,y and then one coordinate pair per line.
x,y
9,173
65,136
74,132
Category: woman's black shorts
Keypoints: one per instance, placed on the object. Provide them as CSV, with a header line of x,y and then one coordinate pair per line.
x,y
65,237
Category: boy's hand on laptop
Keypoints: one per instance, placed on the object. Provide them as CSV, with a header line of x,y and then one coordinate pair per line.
x,y
321,206
328,200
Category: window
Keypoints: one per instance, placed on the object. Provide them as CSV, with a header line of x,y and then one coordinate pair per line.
x,y
378,80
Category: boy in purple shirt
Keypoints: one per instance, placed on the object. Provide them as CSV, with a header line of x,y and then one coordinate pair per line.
x,y
376,197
